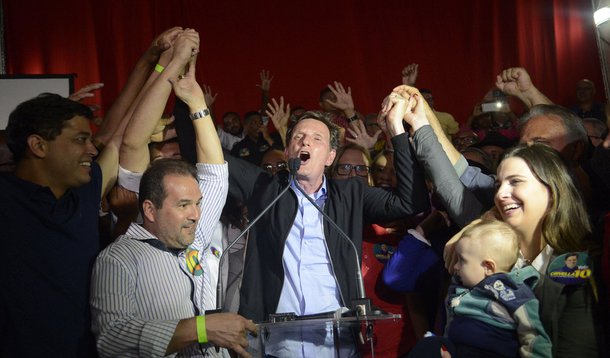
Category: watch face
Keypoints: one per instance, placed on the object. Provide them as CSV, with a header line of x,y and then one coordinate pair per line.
x,y
200,114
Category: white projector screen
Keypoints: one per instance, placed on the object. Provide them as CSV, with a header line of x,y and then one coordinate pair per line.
x,y
15,89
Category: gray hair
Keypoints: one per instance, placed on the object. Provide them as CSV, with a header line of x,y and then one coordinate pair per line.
x,y
571,122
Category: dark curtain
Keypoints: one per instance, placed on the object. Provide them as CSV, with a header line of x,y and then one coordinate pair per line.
x,y
460,45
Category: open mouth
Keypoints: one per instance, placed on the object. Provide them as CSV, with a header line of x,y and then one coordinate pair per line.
x,y
510,208
304,156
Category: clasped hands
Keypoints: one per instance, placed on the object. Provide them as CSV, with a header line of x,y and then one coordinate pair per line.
x,y
404,103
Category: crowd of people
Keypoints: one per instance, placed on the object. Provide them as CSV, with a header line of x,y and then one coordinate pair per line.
x,y
134,239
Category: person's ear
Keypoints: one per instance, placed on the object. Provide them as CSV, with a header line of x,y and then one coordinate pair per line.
x,y
37,145
149,211
489,267
331,157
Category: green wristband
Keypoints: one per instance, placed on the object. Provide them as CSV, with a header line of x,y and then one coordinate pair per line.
x,y
159,68
202,334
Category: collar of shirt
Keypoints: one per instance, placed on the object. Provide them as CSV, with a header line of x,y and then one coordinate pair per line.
x,y
36,192
319,196
138,232
540,263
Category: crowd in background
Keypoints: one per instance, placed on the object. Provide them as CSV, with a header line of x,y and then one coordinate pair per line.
x,y
488,232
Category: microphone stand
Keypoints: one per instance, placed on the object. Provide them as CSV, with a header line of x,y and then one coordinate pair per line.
x,y
293,166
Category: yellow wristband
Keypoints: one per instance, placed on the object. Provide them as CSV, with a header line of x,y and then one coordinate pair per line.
x,y
159,68
202,334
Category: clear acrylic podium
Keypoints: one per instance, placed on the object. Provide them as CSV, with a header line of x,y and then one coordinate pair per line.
x,y
335,336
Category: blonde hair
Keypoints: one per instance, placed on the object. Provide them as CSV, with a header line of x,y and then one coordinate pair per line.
x,y
498,241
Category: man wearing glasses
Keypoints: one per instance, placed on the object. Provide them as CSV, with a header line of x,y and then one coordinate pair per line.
x,y
273,161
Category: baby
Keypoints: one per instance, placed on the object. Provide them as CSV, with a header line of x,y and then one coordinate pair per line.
x,y
491,310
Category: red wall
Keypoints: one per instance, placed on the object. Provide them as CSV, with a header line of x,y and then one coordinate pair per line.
x,y
460,45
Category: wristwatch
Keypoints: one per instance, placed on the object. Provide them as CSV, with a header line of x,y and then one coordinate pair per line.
x,y
353,118
199,114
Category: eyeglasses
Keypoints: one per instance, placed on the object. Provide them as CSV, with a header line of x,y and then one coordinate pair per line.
x,y
272,168
346,169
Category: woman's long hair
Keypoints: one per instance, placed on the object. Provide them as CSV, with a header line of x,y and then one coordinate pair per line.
x,y
566,225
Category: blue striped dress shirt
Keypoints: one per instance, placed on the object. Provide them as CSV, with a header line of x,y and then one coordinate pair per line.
x,y
141,290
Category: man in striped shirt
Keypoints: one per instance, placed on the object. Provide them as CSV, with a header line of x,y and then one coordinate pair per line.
x,y
145,299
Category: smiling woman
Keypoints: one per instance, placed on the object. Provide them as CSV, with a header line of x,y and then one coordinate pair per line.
x,y
537,197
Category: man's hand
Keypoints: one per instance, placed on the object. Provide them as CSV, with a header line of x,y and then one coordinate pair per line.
x,y
514,81
85,92
517,82
187,88
168,54
415,115
266,79
361,136
229,330
160,44
344,101
409,74
279,116
207,93
186,45
393,110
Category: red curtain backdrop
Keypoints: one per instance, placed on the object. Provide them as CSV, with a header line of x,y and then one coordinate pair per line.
x,y
460,45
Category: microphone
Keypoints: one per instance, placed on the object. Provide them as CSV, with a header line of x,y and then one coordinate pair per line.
x,y
361,305
293,165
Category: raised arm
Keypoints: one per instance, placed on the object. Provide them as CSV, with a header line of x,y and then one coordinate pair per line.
x,y
265,87
461,204
115,115
410,196
279,116
110,135
516,82
85,92
134,155
409,74
361,137
452,153
188,90
209,99
344,101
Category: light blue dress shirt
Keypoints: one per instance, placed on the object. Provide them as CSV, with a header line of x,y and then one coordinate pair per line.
x,y
309,284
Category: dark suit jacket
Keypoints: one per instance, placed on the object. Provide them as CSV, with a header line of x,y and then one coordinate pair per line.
x,y
348,203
